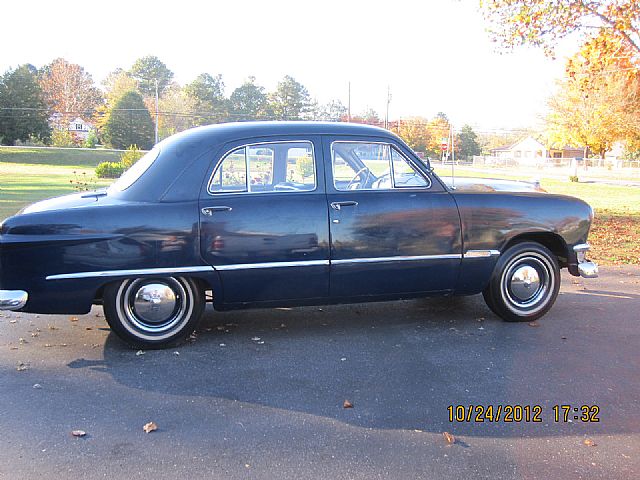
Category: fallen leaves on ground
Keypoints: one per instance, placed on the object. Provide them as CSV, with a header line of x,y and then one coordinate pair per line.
x,y
534,324
449,438
21,367
613,239
150,427
347,404
590,443
78,433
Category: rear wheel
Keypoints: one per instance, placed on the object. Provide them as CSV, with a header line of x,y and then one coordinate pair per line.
x,y
153,311
524,284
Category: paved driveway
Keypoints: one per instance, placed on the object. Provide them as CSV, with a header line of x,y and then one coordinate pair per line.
x,y
259,394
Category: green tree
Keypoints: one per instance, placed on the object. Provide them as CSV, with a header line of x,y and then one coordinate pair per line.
x,y
23,110
129,123
290,100
146,71
207,93
248,101
468,142
332,111
177,110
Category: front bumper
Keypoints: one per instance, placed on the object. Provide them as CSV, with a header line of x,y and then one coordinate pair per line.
x,y
13,299
586,268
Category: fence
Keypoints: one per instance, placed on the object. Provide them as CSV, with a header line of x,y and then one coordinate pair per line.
x,y
589,167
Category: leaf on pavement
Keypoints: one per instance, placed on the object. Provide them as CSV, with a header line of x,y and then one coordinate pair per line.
x,y
150,427
21,367
590,443
449,438
534,324
78,433
347,404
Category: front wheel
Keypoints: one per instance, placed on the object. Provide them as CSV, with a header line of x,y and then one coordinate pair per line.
x,y
524,284
153,311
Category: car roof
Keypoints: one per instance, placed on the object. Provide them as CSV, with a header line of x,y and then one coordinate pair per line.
x,y
224,132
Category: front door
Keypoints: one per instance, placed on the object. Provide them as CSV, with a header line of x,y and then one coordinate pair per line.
x,y
263,222
393,228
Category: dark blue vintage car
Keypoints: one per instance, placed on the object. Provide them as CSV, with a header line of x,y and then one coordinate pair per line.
x,y
283,214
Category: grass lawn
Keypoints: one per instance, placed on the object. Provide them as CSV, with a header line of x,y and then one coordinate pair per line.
x,y
58,156
28,175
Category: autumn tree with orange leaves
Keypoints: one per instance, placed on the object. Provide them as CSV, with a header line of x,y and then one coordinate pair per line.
x,y
598,102
543,22
69,90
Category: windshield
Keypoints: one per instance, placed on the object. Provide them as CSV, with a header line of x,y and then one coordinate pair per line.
x,y
129,177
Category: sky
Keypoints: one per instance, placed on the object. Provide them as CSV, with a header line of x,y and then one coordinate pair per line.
x,y
434,55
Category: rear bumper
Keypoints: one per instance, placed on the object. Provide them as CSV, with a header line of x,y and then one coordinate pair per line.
x,y
13,299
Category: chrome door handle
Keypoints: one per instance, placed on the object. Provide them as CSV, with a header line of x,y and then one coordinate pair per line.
x,y
339,205
208,211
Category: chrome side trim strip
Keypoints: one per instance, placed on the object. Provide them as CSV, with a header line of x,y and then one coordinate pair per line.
x,y
397,259
481,253
581,247
140,271
249,266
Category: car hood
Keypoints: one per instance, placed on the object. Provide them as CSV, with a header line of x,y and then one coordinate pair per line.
x,y
470,184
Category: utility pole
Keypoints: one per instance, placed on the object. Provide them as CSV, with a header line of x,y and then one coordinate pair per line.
x,y
386,116
453,156
156,111
349,103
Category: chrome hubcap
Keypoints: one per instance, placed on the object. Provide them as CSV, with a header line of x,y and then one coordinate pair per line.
x,y
154,303
525,282
154,306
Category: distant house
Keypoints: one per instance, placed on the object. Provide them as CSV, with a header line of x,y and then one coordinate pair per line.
x,y
80,129
527,151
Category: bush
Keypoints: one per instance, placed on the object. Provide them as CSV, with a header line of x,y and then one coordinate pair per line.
x,y
573,178
110,169
131,156
91,141
63,138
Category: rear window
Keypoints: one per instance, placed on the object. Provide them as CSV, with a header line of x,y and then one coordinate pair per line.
x,y
129,177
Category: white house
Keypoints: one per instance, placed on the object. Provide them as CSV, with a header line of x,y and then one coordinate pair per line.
x,y
527,151
80,129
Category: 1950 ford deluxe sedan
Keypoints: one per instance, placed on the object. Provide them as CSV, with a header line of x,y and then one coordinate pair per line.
x,y
284,214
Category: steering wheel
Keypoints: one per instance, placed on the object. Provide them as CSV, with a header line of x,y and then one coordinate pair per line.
x,y
358,173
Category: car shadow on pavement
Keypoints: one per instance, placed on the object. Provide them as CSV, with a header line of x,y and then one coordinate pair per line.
x,y
406,365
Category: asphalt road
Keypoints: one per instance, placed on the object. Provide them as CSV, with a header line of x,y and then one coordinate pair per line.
x,y
259,394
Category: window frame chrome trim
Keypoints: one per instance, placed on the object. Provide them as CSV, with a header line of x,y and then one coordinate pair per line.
x,y
393,187
247,192
132,272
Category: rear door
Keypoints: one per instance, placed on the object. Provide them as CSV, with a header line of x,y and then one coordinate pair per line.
x,y
263,221
393,228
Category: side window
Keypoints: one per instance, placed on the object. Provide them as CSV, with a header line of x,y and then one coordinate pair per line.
x,y
261,160
301,167
231,175
265,168
404,174
372,166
